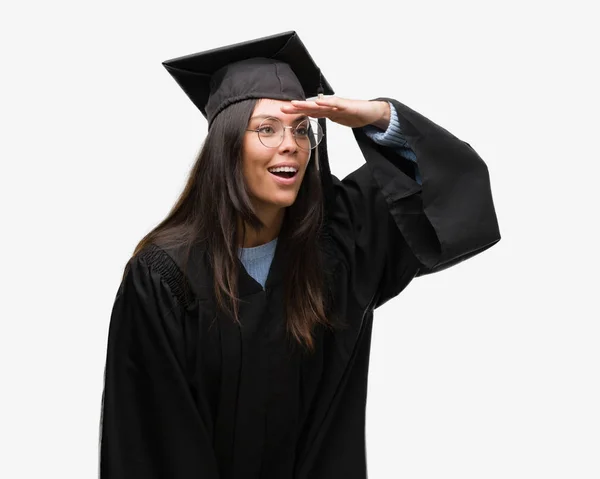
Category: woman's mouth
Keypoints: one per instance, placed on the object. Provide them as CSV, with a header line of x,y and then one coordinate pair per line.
x,y
284,176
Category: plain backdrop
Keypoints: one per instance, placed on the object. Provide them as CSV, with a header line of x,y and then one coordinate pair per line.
x,y
490,369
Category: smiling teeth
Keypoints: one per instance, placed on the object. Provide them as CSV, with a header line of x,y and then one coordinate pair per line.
x,y
285,169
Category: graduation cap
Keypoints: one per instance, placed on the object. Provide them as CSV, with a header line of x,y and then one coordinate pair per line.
x,y
277,67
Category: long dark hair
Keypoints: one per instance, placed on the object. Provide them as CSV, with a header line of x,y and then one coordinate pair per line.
x,y
206,212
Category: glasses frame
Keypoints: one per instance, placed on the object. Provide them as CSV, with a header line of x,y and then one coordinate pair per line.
x,y
257,131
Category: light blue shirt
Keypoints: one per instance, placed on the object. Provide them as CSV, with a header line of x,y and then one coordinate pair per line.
x,y
257,260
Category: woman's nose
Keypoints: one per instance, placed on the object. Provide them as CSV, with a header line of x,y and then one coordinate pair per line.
x,y
288,142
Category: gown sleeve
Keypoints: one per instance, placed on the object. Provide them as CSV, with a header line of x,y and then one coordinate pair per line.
x,y
392,228
150,427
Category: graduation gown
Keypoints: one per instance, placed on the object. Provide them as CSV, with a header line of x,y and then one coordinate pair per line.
x,y
190,396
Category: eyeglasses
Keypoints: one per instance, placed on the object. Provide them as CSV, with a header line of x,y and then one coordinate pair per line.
x,y
307,134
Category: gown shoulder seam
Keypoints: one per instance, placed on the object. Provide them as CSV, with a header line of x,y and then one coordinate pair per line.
x,y
159,261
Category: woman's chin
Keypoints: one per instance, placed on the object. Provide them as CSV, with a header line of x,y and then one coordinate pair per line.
x,y
282,200
276,199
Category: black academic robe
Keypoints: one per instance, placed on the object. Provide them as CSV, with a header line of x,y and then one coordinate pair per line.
x,y
188,397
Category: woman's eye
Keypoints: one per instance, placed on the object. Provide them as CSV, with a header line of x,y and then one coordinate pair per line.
x,y
266,130
302,131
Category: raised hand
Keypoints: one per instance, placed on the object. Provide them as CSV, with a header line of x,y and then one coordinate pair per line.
x,y
352,113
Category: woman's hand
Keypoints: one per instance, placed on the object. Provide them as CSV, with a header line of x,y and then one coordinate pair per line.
x,y
352,113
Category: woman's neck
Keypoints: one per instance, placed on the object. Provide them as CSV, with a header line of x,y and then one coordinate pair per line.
x,y
272,220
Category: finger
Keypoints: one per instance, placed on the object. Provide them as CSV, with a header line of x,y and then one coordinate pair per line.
x,y
331,101
308,110
319,114
317,104
304,103
292,109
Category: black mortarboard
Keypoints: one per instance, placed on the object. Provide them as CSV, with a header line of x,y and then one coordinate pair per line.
x,y
277,67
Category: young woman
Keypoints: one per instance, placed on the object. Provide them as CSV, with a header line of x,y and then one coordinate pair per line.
x,y
240,334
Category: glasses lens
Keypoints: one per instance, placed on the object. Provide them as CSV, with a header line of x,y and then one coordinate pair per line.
x,y
270,132
308,134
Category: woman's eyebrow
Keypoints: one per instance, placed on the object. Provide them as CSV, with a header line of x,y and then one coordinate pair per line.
x,y
295,120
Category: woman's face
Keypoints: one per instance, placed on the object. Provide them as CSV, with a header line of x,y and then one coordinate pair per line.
x,y
266,189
